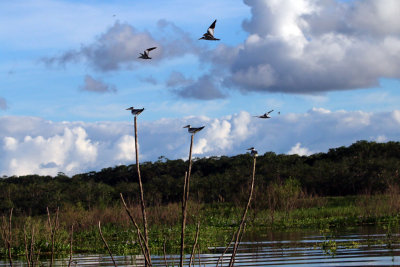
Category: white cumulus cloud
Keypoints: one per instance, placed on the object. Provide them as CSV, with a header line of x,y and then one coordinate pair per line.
x,y
31,145
304,46
301,151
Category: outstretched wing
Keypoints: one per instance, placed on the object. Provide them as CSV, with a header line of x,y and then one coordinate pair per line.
x,y
211,28
148,50
269,112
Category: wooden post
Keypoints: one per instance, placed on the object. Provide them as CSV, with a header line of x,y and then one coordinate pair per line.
x,y
146,239
185,200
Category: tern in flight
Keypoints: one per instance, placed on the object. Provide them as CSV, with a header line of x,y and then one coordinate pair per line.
x,y
253,152
145,54
209,35
135,111
193,130
265,115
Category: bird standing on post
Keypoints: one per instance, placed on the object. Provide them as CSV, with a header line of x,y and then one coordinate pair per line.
x,y
253,152
193,130
135,111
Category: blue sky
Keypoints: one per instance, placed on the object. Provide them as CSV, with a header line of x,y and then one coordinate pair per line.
x,y
68,70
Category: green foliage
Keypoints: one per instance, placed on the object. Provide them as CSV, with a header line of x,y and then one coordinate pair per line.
x,y
283,196
364,167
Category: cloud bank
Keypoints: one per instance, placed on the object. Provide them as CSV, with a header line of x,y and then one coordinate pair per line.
x,y
31,145
119,47
306,46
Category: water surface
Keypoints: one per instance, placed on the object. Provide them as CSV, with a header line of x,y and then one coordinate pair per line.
x,y
355,247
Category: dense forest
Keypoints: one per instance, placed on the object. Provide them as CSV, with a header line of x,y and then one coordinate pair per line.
x,y
363,167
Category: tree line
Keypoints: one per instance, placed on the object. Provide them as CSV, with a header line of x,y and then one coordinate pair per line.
x,y
363,167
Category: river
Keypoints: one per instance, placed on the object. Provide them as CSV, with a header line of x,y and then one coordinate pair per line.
x,y
363,246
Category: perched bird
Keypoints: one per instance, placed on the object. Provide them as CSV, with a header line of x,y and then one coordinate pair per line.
x,y
209,35
145,54
135,111
253,152
265,115
193,130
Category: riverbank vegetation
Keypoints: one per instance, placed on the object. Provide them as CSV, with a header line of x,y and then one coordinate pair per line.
x,y
345,187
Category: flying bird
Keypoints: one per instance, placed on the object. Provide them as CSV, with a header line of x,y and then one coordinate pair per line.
x,y
265,115
253,152
209,35
145,54
193,130
135,111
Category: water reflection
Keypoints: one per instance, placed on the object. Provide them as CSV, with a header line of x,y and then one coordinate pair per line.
x,y
276,249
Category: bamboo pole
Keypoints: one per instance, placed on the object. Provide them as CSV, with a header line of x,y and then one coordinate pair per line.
x,y
146,241
185,200
243,221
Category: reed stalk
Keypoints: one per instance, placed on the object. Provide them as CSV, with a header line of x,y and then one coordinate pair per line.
x,y
144,247
195,244
105,243
165,252
26,248
6,233
32,248
70,246
185,201
53,229
226,249
240,231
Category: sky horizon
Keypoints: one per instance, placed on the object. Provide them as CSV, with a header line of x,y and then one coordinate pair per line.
x,y
330,70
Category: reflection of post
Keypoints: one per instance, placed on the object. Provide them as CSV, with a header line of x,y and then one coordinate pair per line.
x,y
185,200
243,221
141,194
